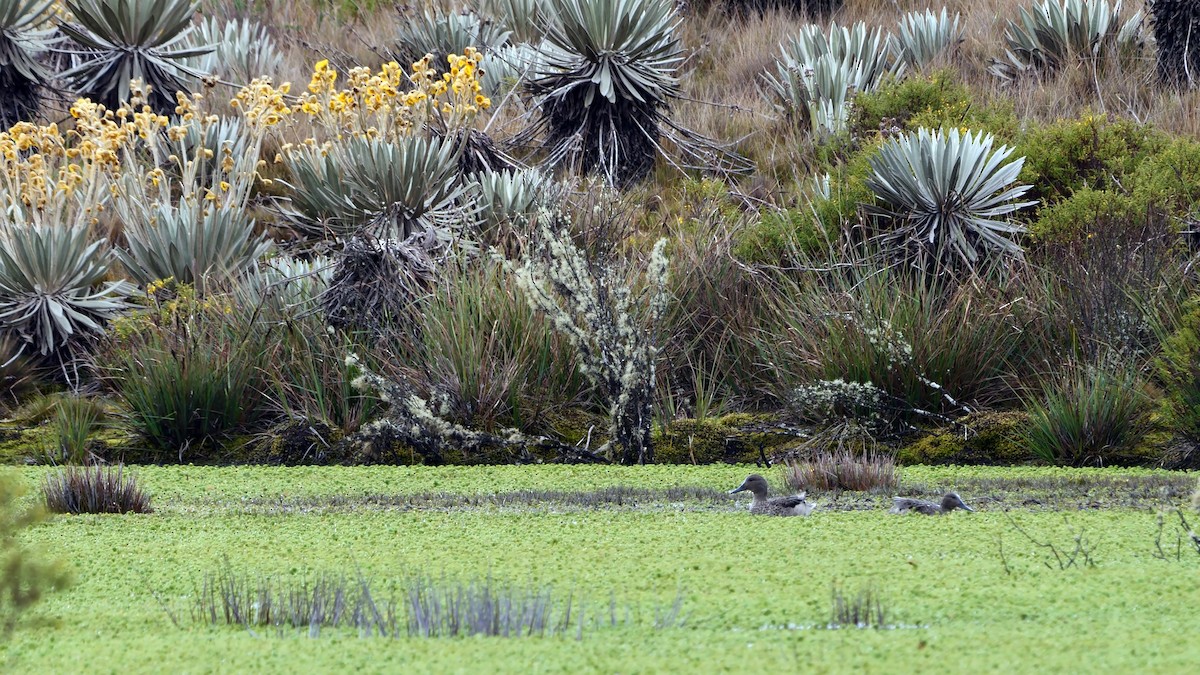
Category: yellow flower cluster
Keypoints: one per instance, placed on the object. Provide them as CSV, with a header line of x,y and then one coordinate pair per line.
x,y
262,104
44,166
390,103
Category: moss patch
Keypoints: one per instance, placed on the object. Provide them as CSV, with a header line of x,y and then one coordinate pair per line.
x,y
20,445
992,439
733,438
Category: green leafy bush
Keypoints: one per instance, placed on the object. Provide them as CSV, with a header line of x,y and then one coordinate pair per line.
x,y
1169,177
1178,369
895,102
1077,217
1090,415
25,573
936,101
1092,151
777,233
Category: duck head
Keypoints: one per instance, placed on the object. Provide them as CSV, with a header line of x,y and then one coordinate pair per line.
x,y
754,484
952,501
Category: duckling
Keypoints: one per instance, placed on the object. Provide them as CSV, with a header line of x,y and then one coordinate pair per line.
x,y
776,506
909,505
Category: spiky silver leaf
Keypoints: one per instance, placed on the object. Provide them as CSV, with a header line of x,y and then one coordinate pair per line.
x,y
404,186
1052,33
53,287
945,191
819,72
923,36
124,40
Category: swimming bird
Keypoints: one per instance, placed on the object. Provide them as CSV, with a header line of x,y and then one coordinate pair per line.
x,y
909,505
756,485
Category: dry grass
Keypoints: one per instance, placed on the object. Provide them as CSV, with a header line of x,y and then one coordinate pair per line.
x,y
843,469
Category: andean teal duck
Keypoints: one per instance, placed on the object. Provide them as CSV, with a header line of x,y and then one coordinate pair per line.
x,y
909,505
763,505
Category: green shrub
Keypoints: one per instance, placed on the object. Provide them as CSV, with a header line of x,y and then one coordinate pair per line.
x,y
189,371
895,102
1093,151
730,438
778,233
25,574
1169,177
1077,216
1178,370
935,101
1089,415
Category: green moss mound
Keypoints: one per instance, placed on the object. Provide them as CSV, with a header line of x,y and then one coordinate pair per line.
x,y
733,438
990,439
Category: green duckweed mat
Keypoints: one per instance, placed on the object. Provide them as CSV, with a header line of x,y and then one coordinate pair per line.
x,y
968,592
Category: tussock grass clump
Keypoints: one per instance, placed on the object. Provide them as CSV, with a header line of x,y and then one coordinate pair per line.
x,y
189,369
930,344
94,489
844,469
488,358
1090,415
75,419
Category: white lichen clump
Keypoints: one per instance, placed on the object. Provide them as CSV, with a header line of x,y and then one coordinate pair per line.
x,y
613,329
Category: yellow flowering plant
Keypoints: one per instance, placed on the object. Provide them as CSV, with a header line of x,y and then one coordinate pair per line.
x,y
390,103
64,176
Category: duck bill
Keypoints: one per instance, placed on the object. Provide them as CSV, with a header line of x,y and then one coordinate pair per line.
x,y
741,488
968,508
